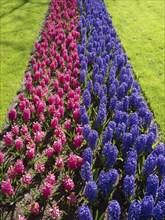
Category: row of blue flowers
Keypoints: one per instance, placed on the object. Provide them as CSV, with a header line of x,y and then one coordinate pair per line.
x,y
124,169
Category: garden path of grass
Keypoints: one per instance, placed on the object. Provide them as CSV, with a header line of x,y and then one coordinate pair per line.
x,y
20,23
140,27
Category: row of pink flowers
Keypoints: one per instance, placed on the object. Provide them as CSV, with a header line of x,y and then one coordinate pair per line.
x,y
45,123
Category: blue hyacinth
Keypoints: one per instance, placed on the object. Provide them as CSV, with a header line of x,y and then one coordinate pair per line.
x,y
129,186
86,131
149,164
92,139
84,213
127,142
158,212
161,165
110,152
131,163
114,210
152,185
91,191
134,211
147,206
86,173
88,155
106,180
86,98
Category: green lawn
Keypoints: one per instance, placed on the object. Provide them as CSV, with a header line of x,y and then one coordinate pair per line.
x,y
140,27
21,21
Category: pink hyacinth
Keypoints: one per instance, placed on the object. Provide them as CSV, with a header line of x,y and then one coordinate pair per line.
x,y
59,162
72,161
19,167
46,190
54,122
76,114
30,153
79,129
40,167
57,146
55,212
15,129
72,198
67,124
51,179
40,107
12,114
7,187
24,129
36,127
22,105
26,179
77,141
68,183
1,158
39,135
8,139
26,114
21,217
80,162
34,208
49,152
11,172
18,143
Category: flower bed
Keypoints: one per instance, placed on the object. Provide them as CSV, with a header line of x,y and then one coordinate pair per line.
x,y
81,143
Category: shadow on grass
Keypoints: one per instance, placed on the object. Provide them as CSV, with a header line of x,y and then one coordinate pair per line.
x,y
20,5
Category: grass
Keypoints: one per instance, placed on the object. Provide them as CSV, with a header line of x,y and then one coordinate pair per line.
x,y
140,27
20,23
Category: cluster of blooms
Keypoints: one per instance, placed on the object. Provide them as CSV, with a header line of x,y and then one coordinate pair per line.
x,y
117,125
45,135
108,136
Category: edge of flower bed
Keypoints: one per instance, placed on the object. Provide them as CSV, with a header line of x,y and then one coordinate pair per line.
x,y
161,137
14,101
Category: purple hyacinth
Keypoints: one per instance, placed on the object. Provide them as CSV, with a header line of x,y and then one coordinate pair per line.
x,y
84,119
120,130
161,165
140,143
114,210
91,191
110,152
161,191
107,135
101,116
90,86
86,131
150,139
129,186
152,185
83,76
88,155
147,206
86,98
86,173
134,211
159,149
134,130
127,142
149,164
84,213
92,139
106,180
158,212
131,163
